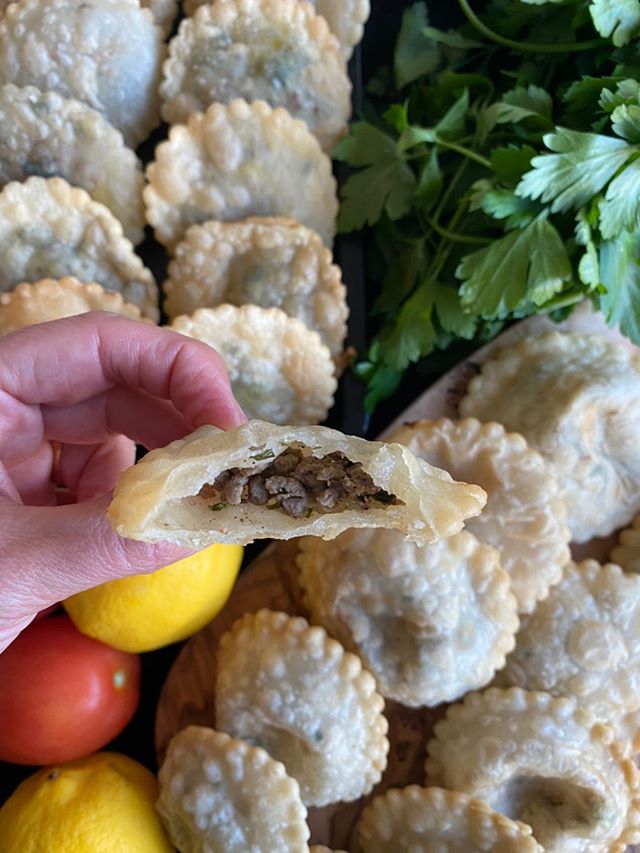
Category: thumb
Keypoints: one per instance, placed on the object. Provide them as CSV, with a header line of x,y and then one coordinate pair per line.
x,y
50,553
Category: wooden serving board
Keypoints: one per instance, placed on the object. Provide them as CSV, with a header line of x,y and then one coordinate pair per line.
x,y
187,697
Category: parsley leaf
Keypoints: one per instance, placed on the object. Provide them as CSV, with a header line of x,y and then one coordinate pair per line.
x,y
625,121
450,314
501,203
583,165
512,162
621,206
412,334
416,53
386,184
620,274
530,265
619,19
589,265
515,106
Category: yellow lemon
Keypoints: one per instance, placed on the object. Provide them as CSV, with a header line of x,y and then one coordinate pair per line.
x,y
100,804
146,612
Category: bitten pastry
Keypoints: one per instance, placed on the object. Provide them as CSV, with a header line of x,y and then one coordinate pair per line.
x,y
278,51
280,371
430,623
267,261
576,399
584,641
294,691
222,794
51,299
544,761
525,517
432,820
264,481
627,552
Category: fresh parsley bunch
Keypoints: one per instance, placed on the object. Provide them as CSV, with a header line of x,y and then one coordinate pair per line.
x,y
499,169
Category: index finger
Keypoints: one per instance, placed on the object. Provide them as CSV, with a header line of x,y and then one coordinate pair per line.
x,y
67,361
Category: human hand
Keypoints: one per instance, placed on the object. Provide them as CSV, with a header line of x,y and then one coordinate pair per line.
x,y
75,395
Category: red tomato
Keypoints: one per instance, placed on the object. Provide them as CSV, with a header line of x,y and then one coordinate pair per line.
x,y
63,695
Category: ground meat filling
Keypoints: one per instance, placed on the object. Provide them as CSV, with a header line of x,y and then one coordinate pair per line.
x,y
298,483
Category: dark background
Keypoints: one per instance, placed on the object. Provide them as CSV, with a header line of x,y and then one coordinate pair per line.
x,y
348,413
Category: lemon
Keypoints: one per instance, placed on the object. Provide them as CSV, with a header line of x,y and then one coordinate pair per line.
x,y
146,612
100,804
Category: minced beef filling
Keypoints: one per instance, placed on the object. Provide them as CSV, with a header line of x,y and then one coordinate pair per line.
x,y
299,483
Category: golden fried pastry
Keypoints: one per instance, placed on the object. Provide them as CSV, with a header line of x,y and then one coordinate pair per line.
x,y
42,133
51,299
432,820
627,552
278,51
292,690
280,371
239,160
267,261
524,519
221,794
106,53
576,400
584,641
544,761
430,623
264,481
49,229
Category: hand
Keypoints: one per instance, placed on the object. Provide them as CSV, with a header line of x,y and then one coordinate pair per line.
x,y
75,395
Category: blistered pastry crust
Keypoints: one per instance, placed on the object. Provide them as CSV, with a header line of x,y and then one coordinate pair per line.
x,y
278,51
584,641
45,134
106,53
51,299
267,261
218,793
239,160
627,553
524,519
157,499
280,371
430,623
49,229
544,761
423,820
294,691
576,399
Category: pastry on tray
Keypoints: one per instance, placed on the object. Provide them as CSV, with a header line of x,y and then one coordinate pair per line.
x,y
264,481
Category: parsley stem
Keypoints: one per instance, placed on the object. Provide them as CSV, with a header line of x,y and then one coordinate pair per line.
x,y
523,46
456,237
466,152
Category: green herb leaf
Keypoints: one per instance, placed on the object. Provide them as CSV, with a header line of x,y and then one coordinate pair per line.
x,y
620,275
415,53
583,165
516,106
501,203
264,454
429,183
527,266
217,507
620,209
511,163
589,265
618,19
412,335
452,38
582,100
625,121
626,92
450,314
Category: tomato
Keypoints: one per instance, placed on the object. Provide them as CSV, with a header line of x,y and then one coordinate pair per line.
x,y
63,695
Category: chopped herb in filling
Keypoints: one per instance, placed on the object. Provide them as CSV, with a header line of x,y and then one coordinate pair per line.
x,y
298,483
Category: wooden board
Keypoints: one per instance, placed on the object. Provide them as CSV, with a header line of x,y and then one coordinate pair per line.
x,y
271,581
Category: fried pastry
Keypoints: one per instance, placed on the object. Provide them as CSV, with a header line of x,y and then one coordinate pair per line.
x,y
278,51
49,229
42,133
266,261
544,761
164,13
218,793
524,518
280,371
429,623
627,552
264,481
576,400
584,641
51,299
106,53
239,160
432,820
294,691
